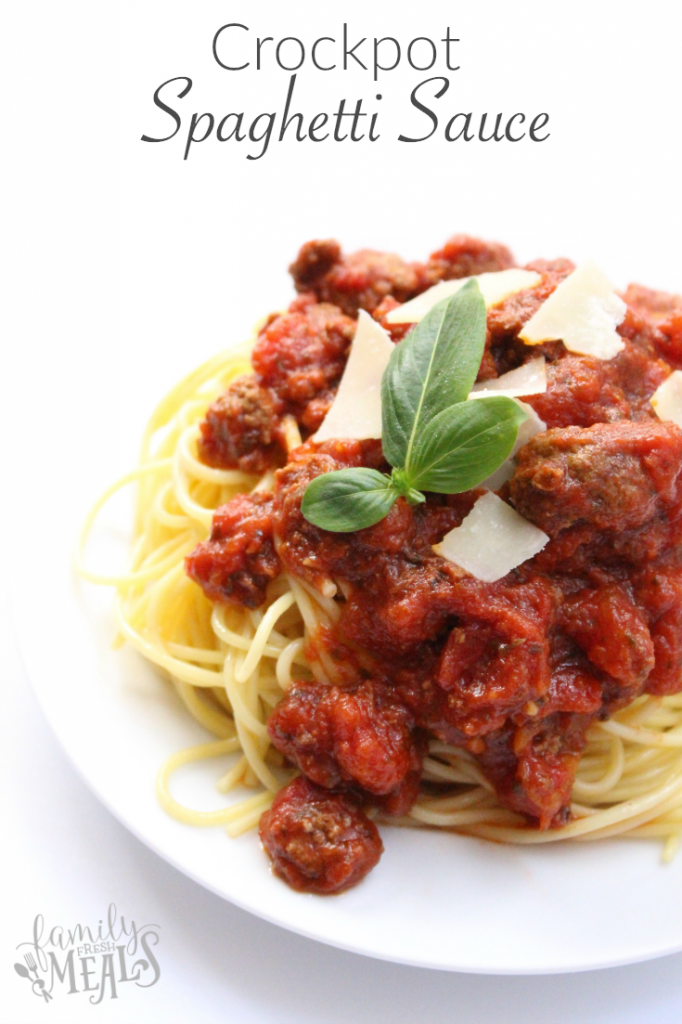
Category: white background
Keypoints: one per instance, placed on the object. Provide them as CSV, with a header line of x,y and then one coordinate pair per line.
x,y
123,266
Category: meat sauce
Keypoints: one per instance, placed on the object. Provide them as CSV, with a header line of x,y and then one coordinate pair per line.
x,y
513,671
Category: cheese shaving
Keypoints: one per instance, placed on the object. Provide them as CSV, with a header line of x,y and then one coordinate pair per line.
x,y
492,540
528,429
583,312
529,379
494,286
667,399
356,410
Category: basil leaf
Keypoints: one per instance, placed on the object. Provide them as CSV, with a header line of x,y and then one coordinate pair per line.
x,y
348,499
463,445
434,367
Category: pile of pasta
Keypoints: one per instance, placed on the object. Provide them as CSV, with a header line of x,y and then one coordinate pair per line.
x,y
231,666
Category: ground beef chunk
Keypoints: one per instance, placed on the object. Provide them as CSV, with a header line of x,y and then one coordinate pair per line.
x,y
654,306
494,661
305,548
533,767
319,842
616,476
298,360
580,547
360,280
575,686
300,357
670,341
489,676
666,634
346,738
668,336
238,561
638,371
612,631
314,261
658,589
241,428
463,256
582,390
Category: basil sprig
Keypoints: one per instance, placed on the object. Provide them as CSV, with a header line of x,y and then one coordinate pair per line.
x,y
434,439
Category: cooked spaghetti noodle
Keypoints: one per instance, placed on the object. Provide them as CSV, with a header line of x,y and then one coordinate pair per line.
x,y
231,666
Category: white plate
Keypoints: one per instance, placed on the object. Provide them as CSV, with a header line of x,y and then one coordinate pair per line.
x,y
435,900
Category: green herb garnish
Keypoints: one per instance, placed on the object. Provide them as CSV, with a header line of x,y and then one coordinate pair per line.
x,y
434,438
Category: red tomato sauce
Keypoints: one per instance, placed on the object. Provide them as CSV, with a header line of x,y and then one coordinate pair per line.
x,y
513,671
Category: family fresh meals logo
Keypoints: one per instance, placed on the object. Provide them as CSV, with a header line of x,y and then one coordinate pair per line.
x,y
100,961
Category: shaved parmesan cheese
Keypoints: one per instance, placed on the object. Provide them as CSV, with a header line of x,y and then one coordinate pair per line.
x,y
492,540
356,410
529,379
583,312
667,399
529,428
501,475
494,286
